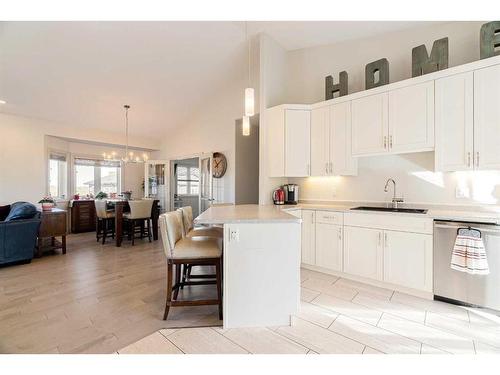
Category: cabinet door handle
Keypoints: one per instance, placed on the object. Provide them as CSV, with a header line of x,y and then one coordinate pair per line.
x,y
468,159
331,167
326,168
385,142
385,239
380,238
340,234
390,141
477,158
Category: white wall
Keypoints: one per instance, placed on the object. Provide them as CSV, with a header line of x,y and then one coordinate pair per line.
x,y
308,67
211,127
23,165
273,67
306,71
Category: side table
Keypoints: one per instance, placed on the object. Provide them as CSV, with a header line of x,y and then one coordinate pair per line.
x,y
54,224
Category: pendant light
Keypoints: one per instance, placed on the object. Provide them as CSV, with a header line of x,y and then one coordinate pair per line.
x,y
129,156
249,92
245,126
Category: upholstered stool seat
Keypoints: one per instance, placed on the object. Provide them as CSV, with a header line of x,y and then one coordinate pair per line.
x,y
197,248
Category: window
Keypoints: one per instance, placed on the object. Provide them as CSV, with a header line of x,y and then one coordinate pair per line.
x,y
93,176
188,180
58,174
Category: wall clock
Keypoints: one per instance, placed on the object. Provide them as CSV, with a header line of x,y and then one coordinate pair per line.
x,y
219,165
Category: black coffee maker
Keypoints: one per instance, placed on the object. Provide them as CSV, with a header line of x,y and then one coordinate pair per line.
x,y
291,193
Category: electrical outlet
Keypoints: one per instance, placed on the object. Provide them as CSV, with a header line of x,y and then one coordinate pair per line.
x,y
234,235
462,192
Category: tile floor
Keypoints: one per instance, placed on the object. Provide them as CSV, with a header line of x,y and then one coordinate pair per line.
x,y
343,316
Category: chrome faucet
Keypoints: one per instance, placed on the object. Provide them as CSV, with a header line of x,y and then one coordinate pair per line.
x,y
395,200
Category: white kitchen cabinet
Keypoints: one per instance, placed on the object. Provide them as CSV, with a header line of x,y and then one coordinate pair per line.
x,y
363,252
275,141
408,259
320,141
297,143
411,118
329,246
370,125
341,161
331,146
308,237
454,126
487,118
288,141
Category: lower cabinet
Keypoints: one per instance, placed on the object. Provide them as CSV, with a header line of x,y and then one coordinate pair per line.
x,y
329,246
308,237
363,252
408,259
400,257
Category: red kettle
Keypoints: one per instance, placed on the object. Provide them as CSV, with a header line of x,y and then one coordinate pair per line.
x,y
279,196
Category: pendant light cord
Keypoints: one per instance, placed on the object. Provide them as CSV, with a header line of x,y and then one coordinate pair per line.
x,y
248,42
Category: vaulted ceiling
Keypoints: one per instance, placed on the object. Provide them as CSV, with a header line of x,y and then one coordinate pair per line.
x,y
81,73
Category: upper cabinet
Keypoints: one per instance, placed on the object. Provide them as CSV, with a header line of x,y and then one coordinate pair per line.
x,y
331,132
288,141
487,118
411,118
320,141
370,125
468,121
454,122
396,122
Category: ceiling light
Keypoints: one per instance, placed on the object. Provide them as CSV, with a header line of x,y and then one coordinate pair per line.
x,y
3,101
245,126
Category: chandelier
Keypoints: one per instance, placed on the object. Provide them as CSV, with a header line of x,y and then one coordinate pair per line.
x,y
129,156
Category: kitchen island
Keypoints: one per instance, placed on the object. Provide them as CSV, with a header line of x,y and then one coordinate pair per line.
x,y
261,264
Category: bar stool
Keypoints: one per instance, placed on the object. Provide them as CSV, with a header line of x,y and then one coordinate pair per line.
x,y
140,213
191,231
105,220
181,250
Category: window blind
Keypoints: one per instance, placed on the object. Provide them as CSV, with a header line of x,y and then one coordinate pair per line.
x,y
57,156
97,162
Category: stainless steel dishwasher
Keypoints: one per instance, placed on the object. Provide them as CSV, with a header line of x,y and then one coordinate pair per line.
x,y
460,287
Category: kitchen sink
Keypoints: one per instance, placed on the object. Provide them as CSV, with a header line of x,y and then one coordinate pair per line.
x,y
390,209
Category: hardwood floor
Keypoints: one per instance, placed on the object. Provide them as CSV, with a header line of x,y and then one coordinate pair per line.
x,y
95,299
339,316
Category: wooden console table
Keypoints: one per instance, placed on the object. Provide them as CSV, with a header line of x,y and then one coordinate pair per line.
x,y
53,225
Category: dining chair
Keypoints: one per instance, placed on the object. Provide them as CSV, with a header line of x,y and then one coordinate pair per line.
x,y
105,220
181,250
140,214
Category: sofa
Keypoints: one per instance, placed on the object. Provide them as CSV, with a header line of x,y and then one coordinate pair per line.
x,y
19,224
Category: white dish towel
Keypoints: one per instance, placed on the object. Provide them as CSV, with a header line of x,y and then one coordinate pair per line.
x,y
469,254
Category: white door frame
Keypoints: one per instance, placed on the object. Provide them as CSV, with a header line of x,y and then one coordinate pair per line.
x,y
171,189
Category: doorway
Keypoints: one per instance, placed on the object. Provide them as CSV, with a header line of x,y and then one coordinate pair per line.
x,y
186,183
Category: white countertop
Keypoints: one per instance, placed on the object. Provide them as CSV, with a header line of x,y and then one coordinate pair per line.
x,y
248,213
471,214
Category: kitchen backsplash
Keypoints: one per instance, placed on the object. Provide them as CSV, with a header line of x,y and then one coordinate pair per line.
x,y
416,183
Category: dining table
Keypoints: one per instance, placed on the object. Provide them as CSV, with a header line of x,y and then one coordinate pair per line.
x,y
121,206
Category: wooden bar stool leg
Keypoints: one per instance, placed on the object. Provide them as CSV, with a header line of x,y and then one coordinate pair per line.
x,y
104,230
149,229
177,281
219,286
169,290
